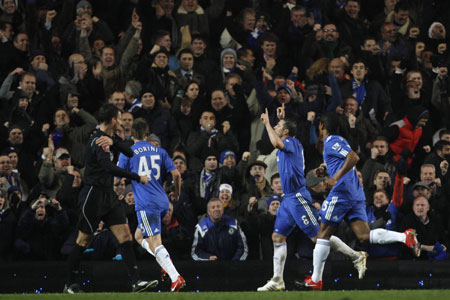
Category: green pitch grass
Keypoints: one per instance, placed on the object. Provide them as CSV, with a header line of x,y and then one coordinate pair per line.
x,y
325,295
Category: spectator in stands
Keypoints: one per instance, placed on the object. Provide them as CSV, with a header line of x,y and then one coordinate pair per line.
x,y
161,39
209,136
218,236
441,153
158,78
186,72
159,119
380,158
205,181
381,181
429,228
40,231
176,237
132,93
400,18
359,130
7,177
71,135
118,99
53,168
196,17
203,62
371,97
316,186
8,223
270,58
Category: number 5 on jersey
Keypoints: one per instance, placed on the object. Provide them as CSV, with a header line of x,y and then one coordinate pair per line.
x,y
145,169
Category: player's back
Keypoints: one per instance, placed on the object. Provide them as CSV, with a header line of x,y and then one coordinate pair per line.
x,y
335,152
291,166
94,173
151,161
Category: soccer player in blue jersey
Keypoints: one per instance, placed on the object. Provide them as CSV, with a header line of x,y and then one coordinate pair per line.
x,y
346,201
151,201
296,208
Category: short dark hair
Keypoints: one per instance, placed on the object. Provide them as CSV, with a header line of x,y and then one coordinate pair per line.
x,y
268,37
360,61
109,47
440,145
3,25
291,126
159,35
381,138
274,176
330,122
443,132
242,52
198,36
107,112
184,51
401,5
22,76
140,128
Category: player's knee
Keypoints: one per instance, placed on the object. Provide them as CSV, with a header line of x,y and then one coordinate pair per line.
x,y
363,237
278,238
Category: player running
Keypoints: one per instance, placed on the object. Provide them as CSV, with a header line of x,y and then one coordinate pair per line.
x,y
99,202
345,201
296,208
151,202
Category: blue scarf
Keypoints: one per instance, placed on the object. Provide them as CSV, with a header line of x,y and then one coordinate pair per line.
x,y
359,91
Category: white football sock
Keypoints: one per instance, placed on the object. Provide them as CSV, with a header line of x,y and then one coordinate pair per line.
x,y
383,236
321,251
336,244
146,246
279,259
163,259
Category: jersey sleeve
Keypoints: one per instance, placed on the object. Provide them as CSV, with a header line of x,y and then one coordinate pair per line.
x,y
103,155
168,163
338,147
288,145
124,162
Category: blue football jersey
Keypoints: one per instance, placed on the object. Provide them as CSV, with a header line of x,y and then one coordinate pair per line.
x,y
151,161
335,152
291,166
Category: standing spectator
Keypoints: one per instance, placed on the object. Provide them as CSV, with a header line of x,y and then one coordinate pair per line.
x,y
41,230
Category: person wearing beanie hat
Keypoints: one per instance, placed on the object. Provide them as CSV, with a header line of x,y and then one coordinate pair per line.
x,y
228,60
272,206
159,119
39,67
154,140
227,158
296,209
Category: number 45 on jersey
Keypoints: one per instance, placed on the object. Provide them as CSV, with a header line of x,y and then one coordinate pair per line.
x,y
145,168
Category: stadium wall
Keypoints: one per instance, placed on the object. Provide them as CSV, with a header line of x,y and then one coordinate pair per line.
x,y
48,277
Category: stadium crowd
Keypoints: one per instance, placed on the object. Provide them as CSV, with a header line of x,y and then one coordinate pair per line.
x,y
201,72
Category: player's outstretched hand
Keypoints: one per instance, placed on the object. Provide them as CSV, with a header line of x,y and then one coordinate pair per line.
x,y
144,180
104,141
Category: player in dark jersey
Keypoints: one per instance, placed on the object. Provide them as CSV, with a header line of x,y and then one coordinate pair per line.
x,y
346,201
99,202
